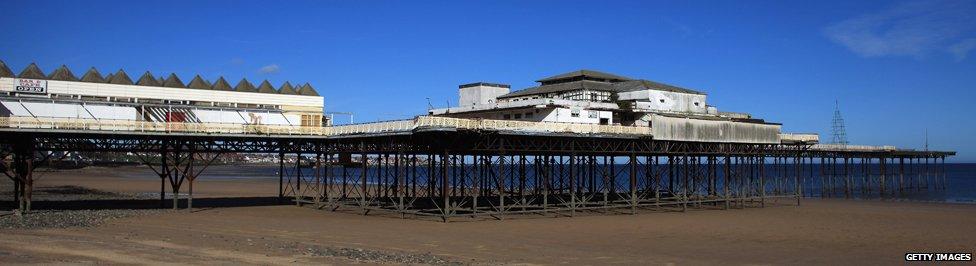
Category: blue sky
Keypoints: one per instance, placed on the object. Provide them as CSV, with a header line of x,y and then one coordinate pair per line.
x,y
897,68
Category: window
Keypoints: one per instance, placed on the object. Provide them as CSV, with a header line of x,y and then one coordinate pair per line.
x,y
594,114
574,113
593,97
662,100
311,120
507,116
518,116
696,103
528,115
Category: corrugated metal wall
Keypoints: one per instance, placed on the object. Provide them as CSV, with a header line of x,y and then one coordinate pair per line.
x,y
689,129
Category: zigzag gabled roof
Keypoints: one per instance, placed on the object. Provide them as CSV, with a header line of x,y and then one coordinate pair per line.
x,y
198,83
221,85
32,71
307,90
62,73
120,78
5,71
147,79
266,87
173,81
93,76
245,86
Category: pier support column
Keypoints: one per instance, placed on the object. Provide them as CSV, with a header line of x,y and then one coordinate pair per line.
x,y
317,199
162,178
881,180
945,181
281,177
685,193
364,189
23,153
727,184
633,183
848,186
572,185
901,175
798,168
445,189
177,163
762,181
205,161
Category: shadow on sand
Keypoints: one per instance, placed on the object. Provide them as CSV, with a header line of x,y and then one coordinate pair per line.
x,y
115,204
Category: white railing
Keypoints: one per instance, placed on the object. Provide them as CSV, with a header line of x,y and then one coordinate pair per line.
x,y
844,147
487,124
799,137
367,128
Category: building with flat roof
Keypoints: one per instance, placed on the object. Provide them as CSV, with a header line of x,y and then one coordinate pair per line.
x,y
594,97
61,94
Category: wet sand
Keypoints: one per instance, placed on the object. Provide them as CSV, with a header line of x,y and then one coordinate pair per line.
x,y
817,232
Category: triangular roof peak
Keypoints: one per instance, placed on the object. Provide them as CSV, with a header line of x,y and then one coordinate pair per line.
x,y
245,86
583,74
32,71
92,75
147,79
286,88
62,73
198,83
266,87
120,78
173,81
307,90
5,71
221,85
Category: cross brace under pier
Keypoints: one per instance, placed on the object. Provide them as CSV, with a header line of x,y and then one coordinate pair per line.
x,y
445,175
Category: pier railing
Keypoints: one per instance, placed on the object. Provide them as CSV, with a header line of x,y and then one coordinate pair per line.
x,y
846,147
366,128
799,137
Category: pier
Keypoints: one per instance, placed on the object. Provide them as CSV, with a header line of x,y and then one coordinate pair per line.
x,y
455,168
577,143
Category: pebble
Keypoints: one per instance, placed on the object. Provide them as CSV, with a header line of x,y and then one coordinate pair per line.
x,y
66,218
40,219
359,254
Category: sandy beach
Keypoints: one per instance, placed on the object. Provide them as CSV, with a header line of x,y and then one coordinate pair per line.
x,y
817,232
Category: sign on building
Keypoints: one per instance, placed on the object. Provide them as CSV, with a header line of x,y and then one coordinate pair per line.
x,y
30,86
